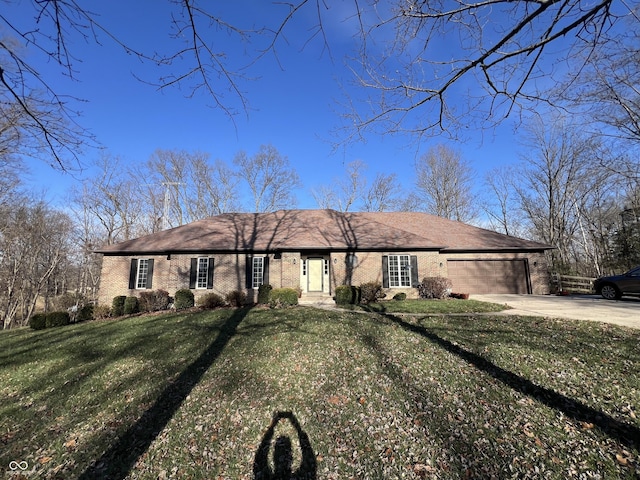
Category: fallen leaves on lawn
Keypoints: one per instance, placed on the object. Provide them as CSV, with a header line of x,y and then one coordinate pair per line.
x,y
377,398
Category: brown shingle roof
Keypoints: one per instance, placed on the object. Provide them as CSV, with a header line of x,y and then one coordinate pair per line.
x,y
321,229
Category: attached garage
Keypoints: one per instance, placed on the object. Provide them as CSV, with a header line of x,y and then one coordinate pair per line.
x,y
490,276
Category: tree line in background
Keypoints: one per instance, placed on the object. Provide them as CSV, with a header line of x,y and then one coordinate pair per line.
x,y
568,190
568,69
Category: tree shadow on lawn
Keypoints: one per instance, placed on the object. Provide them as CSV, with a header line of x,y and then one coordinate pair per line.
x,y
118,461
623,433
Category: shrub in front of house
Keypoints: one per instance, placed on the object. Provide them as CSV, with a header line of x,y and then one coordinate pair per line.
x,y
434,287
100,312
237,298
370,292
38,321
85,313
263,293
400,296
347,295
57,319
130,305
117,305
211,301
283,297
154,300
183,299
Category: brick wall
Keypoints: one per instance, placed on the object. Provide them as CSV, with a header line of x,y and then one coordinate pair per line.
x,y
171,273
368,268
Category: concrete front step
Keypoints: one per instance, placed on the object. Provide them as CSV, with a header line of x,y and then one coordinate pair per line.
x,y
316,300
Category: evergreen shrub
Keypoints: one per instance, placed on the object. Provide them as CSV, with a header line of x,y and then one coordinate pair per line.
x,y
263,293
184,299
38,321
85,313
117,306
130,305
57,319
283,297
347,295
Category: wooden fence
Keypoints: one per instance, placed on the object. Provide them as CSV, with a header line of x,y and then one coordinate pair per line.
x,y
571,284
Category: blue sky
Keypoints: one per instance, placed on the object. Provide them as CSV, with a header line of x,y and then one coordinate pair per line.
x,y
295,105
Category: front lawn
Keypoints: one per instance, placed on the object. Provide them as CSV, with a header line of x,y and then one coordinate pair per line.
x,y
445,306
341,394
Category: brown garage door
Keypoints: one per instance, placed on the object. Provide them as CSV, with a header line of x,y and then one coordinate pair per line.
x,y
489,276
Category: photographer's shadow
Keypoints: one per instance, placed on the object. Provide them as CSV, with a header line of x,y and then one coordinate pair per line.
x,y
283,453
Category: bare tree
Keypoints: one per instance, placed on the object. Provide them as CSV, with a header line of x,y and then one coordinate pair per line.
x,y
503,49
444,183
343,193
34,240
353,191
557,183
186,186
383,195
114,200
269,177
607,94
501,204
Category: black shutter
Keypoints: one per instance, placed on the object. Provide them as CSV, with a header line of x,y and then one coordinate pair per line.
x,y
210,274
265,270
385,271
414,271
150,275
193,273
133,273
249,271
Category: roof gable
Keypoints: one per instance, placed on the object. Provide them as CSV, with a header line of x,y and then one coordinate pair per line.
x,y
321,229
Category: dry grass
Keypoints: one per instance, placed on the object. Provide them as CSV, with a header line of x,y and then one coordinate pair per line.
x,y
354,396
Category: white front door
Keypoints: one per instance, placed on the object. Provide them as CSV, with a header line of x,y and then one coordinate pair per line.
x,y
315,274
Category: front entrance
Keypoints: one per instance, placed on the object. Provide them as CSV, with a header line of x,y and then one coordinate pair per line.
x,y
315,275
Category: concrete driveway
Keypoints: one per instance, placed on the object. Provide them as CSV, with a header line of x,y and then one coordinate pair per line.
x,y
624,312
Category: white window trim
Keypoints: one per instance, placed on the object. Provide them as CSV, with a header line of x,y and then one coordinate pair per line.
x,y
146,278
253,272
407,267
206,273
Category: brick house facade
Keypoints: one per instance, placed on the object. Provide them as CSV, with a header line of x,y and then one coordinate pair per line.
x,y
316,250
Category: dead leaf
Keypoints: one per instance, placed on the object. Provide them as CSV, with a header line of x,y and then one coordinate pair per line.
x,y
71,443
337,400
621,459
587,425
44,460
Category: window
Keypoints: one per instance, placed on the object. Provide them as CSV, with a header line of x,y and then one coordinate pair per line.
x,y
257,271
304,266
203,270
399,271
201,273
326,266
141,273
